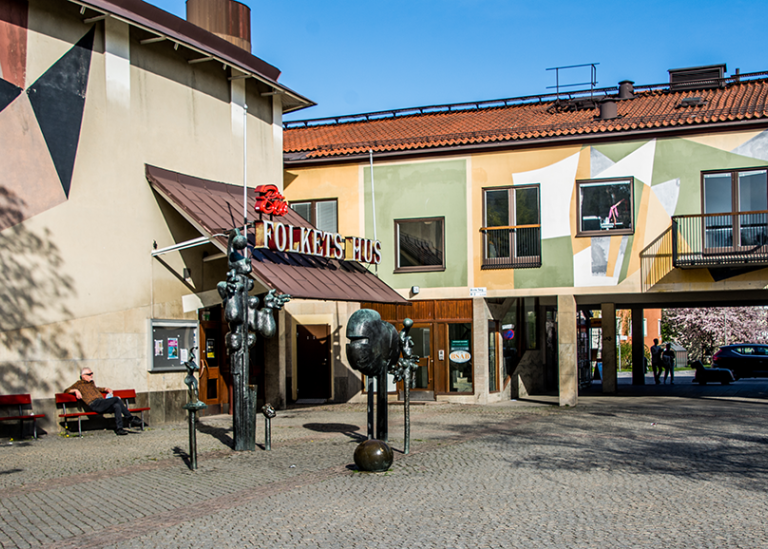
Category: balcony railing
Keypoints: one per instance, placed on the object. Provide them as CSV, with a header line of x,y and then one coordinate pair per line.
x,y
656,260
720,240
512,247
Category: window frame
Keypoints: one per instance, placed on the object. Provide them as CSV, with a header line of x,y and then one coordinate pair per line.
x,y
605,232
515,261
418,268
735,212
313,208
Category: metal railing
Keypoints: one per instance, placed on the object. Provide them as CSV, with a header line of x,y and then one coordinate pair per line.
x,y
720,240
512,247
656,260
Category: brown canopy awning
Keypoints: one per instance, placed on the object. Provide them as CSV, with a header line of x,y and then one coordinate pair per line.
x,y
212,207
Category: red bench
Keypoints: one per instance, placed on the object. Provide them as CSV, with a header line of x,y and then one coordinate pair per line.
x,y
22,401
69,399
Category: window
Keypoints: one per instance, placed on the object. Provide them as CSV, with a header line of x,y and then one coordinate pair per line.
x,y
321,213
727,196
606,206
512,232
419,245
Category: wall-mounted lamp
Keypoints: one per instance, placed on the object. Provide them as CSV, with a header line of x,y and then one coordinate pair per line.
x,y
415,290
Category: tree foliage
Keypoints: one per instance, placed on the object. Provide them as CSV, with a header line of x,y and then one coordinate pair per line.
x,y
702,331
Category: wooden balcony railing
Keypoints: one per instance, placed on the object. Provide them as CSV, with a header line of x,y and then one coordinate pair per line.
x,y
512,247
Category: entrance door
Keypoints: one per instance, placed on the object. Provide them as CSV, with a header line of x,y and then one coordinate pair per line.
x,y
213,390
422,347
313,355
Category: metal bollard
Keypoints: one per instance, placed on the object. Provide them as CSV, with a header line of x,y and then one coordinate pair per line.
x,y
269,413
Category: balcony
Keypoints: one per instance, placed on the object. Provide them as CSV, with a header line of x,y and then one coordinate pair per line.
x,y
512,247
733,239
720,240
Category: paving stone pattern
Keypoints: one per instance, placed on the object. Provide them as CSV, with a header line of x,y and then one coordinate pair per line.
x,y
656,470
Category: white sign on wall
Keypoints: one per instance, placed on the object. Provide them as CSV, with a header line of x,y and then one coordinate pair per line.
x,y
478,292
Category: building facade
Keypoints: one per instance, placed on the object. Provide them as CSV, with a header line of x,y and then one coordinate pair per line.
x,y
512,226
94,95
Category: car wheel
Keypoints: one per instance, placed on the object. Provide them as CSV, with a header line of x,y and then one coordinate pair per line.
x,y
702,382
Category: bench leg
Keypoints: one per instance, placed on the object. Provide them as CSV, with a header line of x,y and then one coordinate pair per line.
x,y
34,427
79,426
142,420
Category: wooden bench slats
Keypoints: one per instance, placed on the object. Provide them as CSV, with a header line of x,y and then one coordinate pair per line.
x,y
20,400
69,398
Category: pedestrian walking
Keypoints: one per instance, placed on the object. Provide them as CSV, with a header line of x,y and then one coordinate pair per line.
x,y
668,361
656,365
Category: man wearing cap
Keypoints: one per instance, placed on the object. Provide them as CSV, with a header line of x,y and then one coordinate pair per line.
x,y
85,389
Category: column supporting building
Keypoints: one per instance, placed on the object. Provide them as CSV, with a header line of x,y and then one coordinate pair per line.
x,y
608,354
567,350
638,371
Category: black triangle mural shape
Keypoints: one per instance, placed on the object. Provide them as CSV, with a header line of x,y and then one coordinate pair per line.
x,y
8,92
58,99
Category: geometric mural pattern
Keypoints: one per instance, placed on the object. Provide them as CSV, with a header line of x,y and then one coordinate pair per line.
x,y
666,185
39,129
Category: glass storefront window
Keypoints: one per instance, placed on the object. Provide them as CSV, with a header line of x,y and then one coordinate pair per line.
x,y
460,357
493,370
529,306
510,341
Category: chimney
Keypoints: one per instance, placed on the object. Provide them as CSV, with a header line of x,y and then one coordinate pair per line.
x,y
608,110
226,19
626,89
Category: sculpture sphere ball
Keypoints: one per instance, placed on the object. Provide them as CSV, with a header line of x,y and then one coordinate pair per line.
x,y
374,456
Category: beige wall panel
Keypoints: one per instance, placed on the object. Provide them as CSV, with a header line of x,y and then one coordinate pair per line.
x,y
338,182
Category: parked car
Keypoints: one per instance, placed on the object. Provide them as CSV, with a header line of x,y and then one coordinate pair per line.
x,y
743,359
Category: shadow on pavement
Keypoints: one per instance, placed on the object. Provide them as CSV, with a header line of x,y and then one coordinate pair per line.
x,y
344,428
222,434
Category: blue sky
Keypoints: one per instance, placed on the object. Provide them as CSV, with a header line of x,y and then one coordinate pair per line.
x,y
363,56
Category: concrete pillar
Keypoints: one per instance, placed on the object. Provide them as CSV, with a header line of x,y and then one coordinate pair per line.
x,y
609,347
567,350
638,374
480,317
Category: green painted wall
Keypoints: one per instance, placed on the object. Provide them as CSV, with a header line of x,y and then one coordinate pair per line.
x,y
617,151
417,190
556,266
686,159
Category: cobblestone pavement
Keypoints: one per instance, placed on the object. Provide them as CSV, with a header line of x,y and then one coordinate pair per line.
x,y
688,469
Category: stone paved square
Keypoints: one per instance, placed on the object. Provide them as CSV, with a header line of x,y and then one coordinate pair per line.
x,y
651,470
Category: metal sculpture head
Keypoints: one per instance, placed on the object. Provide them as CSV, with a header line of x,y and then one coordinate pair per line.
x,y
374,344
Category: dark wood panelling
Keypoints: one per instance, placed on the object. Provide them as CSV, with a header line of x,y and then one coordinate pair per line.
x,y
457,309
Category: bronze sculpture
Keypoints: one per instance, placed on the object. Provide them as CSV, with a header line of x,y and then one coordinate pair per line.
x,y
245,321
193,406
374,350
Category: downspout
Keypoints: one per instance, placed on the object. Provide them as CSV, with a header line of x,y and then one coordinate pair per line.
x,y
373,205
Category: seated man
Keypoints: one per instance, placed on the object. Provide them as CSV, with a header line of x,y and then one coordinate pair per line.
x,y
85,389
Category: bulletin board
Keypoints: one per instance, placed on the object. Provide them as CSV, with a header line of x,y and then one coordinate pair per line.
x,y
170,342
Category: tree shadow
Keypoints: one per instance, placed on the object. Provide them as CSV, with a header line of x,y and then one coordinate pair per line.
x,y
35,293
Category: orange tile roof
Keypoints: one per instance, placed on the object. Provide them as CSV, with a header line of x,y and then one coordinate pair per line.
x,y
653,109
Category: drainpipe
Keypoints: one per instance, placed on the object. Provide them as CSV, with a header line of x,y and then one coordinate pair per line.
x,y
373,205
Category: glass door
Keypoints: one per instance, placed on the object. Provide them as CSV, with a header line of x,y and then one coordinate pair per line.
x,y
422,347
753,197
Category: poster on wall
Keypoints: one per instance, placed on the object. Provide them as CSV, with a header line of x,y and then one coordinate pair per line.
x,y
171,343
173,348
210,348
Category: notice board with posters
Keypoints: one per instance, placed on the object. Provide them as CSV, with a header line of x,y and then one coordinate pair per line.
x,y
170,344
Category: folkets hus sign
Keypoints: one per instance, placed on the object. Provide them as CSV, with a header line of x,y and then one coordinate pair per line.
x,y
304,240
